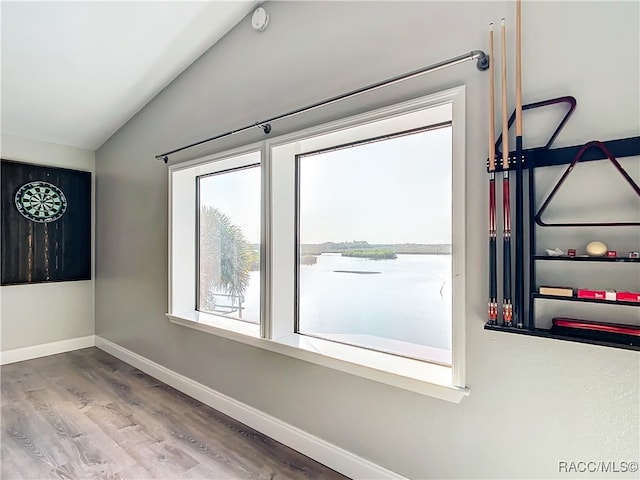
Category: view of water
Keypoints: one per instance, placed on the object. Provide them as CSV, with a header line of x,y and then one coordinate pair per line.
x,y
409,300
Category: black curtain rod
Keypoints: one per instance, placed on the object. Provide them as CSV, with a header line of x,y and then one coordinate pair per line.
x,y
482,64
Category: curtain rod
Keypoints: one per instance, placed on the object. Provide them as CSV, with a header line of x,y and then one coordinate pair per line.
x,y
482,64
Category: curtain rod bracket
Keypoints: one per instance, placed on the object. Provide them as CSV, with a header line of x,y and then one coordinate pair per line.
x,y
266,128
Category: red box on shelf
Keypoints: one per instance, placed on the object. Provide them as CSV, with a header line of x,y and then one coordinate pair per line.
x,y
628,297
597,294
571,252
612,253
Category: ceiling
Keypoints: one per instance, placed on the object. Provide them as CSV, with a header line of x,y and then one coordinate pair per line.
x,y
74,72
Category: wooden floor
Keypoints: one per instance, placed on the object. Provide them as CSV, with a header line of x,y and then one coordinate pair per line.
x,y
86,414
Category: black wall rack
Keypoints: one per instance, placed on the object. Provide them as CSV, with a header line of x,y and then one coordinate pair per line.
x,y
546,157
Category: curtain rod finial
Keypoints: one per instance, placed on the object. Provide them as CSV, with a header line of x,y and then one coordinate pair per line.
x,y
483,60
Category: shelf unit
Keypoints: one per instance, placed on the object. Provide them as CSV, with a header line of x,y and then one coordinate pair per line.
x,y
545,157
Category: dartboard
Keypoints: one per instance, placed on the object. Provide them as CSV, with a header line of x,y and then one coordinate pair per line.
x,y
41,202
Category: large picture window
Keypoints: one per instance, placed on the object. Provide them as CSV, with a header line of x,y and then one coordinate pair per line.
x,y
341,245
374,244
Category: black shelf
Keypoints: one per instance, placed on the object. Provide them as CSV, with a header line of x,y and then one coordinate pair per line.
x,y
566,258
542,333
587,300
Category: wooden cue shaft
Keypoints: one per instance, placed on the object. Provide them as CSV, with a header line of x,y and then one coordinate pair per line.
x,y
518,68
505,114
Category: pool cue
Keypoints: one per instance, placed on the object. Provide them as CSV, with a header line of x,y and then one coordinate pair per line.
x,y
507,306
519,283
493,272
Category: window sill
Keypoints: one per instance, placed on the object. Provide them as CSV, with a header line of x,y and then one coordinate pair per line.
x,y
413,375
218,325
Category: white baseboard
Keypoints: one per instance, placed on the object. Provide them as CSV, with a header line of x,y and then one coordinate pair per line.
x,y
45,349
324,452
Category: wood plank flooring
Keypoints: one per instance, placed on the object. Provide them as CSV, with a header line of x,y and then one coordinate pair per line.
x,y
86,414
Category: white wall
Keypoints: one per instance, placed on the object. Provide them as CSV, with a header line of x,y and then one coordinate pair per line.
x,y
534,402
46,312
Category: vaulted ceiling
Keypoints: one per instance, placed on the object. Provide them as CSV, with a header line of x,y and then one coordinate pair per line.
x,y
75,72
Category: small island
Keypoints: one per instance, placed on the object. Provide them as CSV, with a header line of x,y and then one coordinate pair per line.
x,y
372,254
360,272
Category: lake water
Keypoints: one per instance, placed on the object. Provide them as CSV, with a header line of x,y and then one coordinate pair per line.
x,y
407,301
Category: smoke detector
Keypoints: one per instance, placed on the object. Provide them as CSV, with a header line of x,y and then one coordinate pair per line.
x,y
259,19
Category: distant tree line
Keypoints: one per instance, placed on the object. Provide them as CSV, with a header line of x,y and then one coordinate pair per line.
x,y
401,248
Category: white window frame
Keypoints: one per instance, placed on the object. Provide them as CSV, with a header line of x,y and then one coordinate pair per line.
x,y
276,331
183,205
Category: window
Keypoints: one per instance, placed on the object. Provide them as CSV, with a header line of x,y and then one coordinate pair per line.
x,y
229,243
374,243
346,245
215,242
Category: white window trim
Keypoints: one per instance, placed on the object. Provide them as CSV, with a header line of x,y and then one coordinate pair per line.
x,y
182,235
443,382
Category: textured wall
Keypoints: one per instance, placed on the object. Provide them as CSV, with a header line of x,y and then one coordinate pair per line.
x,y
47,312
534,402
